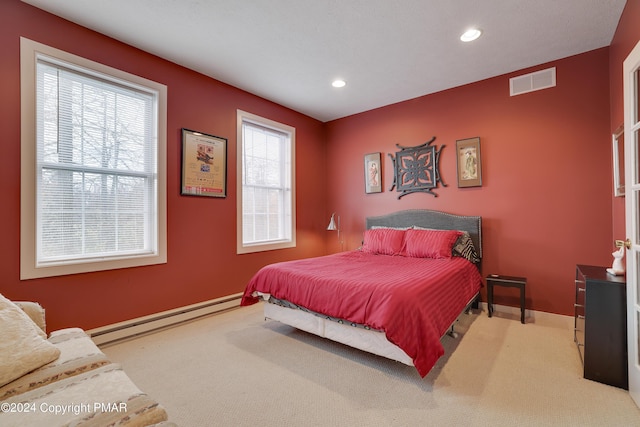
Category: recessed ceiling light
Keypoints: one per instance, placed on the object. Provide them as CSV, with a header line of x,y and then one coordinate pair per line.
x,y
338,83
470,35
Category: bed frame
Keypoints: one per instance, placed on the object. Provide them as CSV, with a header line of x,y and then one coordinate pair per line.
x,y
369,340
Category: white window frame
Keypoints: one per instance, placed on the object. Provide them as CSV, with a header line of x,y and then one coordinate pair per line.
x,y
30,51
242,248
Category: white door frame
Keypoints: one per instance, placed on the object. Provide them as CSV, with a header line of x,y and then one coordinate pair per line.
x,y
632,212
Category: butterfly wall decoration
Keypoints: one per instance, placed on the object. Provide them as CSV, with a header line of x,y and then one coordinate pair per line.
x,y
417,169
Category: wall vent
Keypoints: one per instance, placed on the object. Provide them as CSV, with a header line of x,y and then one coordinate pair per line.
x,y
533,81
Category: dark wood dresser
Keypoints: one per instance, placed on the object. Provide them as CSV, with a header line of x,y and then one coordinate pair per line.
x,y
600,330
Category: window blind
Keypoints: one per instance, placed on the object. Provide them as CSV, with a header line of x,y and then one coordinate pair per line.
x,y
266,179
96,165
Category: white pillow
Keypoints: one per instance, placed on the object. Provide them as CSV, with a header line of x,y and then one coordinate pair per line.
x,y
22,344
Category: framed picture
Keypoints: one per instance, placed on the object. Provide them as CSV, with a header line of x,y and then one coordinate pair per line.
x,y
372,173
618,162
469,162
204,164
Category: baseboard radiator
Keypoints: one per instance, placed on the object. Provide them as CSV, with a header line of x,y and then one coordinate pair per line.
x,y
146,324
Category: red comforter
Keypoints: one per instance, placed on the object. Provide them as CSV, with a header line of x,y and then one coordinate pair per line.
x,y
413,300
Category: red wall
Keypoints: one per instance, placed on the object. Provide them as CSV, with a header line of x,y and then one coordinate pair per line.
x,y
546,198
546,193
202,263
625,39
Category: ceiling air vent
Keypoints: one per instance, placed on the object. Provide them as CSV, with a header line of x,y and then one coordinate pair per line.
x,y
533,81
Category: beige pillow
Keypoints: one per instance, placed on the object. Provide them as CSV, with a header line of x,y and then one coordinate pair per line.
x,y
22,345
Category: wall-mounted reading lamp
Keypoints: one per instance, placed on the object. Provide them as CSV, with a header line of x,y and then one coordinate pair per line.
x,y
334,225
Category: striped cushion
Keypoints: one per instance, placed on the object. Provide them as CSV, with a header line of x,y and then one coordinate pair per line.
x,y
383,241
104,396
430,243
464,248
78,354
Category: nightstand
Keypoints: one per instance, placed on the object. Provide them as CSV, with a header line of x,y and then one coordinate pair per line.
x,y
508,281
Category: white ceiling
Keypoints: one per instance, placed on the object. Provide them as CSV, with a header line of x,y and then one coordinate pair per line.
x,y
289,51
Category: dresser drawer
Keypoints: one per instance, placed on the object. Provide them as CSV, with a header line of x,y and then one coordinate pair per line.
x,y
600,328
580,293
579,314
578,335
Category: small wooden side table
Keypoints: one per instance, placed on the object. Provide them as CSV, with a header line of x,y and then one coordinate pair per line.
x,y
508,281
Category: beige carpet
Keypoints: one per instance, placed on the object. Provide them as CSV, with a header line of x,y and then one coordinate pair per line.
x,y
235,369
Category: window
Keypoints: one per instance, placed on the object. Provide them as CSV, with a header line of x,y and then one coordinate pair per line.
x,y
93,166
266,190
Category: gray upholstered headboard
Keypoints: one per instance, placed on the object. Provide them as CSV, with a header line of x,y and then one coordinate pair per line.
x,y
432,219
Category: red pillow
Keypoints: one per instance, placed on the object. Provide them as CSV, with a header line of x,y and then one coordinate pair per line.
x,y
383,241
430,243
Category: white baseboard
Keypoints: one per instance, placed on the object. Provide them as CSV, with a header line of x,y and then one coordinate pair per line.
x,y
145,324
532,316
142,325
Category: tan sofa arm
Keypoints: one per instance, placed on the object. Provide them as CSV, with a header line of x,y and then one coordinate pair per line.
x,y
35,311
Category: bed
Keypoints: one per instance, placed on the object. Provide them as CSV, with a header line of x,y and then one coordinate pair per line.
x,y
396,296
